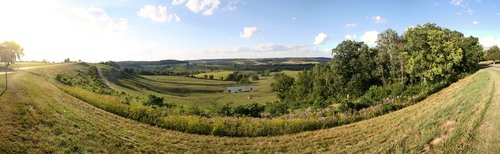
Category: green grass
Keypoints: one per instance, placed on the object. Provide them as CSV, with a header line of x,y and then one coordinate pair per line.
x,y
37,117
189,91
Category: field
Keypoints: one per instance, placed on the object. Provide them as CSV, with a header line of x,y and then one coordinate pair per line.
x,y
37,117
191,91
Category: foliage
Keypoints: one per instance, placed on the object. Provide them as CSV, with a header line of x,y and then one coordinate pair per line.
x,y
493,53
283,84
240,78
153,100
421,61
10,51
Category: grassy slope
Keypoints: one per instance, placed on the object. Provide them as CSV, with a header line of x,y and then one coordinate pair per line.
x,y
36,116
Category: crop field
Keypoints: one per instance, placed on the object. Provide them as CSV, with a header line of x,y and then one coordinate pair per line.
x,y
38,117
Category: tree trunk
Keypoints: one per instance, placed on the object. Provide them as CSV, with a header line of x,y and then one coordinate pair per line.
x,y
383,76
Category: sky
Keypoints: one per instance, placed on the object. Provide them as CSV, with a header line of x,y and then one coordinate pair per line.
x,y
118,30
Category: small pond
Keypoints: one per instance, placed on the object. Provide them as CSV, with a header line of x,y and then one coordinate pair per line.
x,y
238,89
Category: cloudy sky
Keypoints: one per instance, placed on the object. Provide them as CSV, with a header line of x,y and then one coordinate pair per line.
x,y
100,30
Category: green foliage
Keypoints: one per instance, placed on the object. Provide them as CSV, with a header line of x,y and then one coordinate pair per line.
x,y
10,51
282,84
493,53
211,77
255,77
238,77
359,77
153,100
276,108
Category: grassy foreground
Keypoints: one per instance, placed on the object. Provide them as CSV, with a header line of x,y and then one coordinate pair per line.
x,y
38,117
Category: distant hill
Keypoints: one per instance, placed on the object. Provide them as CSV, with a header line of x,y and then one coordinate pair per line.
x,y
140,64
237,61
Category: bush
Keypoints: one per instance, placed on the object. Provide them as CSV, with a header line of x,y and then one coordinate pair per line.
x,y
276,108
153,100
252,110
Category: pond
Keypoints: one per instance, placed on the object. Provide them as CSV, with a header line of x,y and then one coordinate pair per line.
x,y
238,89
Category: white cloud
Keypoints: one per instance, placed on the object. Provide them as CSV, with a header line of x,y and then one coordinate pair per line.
x,y
349,37
370,37
475,22
118,25
470,12
93,13
157,14
231,5
351,25
207,7
178,2
320,38
294,18
489,41
378,19
456,2
248,32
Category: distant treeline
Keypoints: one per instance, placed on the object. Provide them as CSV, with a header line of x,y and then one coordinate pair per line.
x,y
141,71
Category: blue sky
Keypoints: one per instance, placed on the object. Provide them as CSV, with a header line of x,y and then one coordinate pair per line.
x,y
100,30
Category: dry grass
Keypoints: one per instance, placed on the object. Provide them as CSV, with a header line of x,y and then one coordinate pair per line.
x,y
37,117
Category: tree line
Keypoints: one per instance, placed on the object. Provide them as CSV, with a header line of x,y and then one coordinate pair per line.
x,y
425,57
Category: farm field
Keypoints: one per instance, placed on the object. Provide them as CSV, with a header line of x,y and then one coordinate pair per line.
x,y
192,91
38,117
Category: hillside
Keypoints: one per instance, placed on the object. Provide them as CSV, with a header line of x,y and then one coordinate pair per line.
x,y
38,117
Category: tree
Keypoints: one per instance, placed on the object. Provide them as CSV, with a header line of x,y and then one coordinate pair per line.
x,y
353,65
282,84
493,53
10,51
389,59
211,77
433,52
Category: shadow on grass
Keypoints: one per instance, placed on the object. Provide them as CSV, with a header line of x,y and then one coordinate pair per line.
x,y
1,94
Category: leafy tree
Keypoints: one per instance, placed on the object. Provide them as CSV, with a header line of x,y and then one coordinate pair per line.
x,y
282,84
493,53
353,66
10,51
390,62
472,54
434,52
211,77
205,76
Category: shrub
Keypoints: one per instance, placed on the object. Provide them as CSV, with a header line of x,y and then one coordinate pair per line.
x,y
153,100
276,108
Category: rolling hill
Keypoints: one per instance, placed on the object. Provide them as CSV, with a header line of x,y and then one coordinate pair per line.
x,y
37,117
